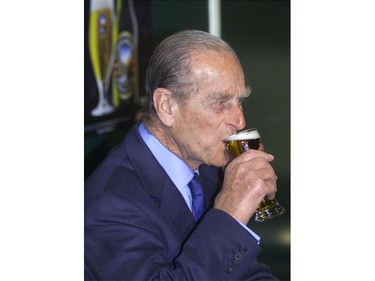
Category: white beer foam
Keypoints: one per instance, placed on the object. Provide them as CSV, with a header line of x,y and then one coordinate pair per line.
x,y
248,134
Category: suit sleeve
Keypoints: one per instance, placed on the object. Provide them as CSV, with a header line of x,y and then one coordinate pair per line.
x,y
223,249
126,241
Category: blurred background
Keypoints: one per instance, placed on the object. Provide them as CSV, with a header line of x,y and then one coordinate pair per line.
x,y
259,32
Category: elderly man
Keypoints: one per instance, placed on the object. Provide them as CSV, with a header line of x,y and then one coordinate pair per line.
x,y
142,219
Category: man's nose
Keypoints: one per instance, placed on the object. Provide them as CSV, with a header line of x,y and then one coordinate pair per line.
x,y
237,119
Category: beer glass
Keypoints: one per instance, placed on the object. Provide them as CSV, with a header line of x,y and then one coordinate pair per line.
x,y
100,47
241,142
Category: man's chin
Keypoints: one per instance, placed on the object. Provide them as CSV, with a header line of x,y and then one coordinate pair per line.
x,y
222,162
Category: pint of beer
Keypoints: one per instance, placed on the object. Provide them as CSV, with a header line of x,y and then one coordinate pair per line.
x,y
100,48
241,142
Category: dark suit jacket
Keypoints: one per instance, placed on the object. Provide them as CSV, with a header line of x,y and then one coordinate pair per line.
x,y
138,226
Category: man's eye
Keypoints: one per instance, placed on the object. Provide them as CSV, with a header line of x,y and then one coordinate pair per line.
x,y
219,103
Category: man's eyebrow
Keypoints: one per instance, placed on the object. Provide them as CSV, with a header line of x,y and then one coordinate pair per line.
x,y
247,92
220,96
226,96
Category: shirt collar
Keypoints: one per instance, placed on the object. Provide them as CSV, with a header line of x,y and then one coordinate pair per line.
x,y
177,170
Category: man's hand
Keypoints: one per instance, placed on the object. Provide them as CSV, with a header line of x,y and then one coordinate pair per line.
x,y
248,179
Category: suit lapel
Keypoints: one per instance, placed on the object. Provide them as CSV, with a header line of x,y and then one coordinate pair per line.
x,y
158,185
174,208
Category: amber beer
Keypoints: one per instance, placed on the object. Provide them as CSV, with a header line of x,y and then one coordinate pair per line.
x,y
241,142
100,48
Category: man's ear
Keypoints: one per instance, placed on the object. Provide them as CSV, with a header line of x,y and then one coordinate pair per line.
x,y
164,106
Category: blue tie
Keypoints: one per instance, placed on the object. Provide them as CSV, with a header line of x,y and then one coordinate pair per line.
x,y
197,195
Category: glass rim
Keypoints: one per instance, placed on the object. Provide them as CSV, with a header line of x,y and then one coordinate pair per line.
x,y
244,134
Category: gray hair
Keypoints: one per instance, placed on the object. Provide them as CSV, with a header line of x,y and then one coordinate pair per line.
x,y
170,64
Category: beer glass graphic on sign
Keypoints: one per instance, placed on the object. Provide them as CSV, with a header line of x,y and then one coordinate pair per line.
x,y
241,142
100,47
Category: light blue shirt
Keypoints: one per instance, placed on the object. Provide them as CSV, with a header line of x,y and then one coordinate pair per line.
x,y
177,170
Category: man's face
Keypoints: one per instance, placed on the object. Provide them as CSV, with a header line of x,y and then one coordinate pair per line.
x,y
213,113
